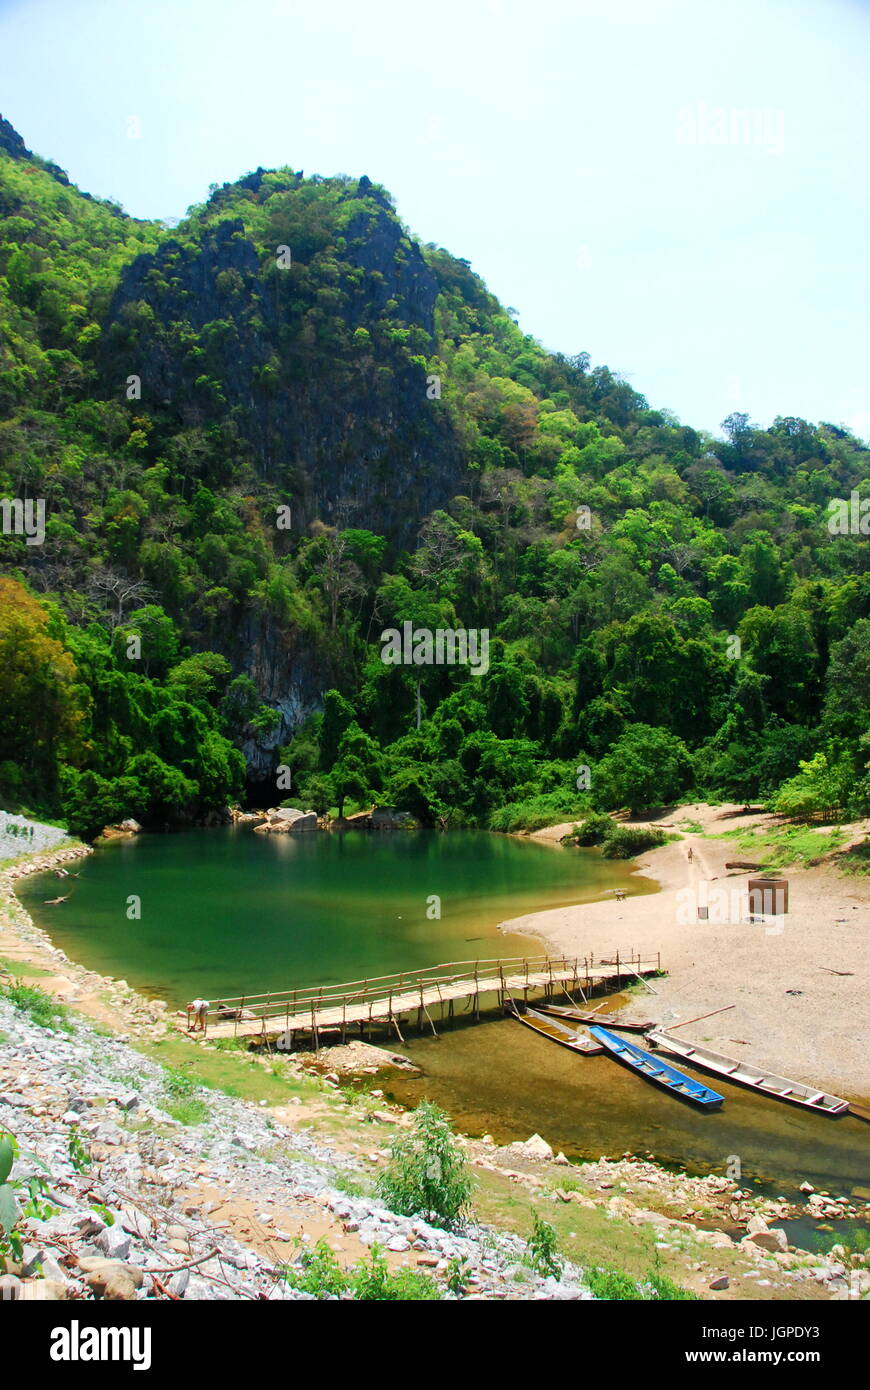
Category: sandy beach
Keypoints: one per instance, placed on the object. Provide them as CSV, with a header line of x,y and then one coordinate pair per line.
x,y
792,1011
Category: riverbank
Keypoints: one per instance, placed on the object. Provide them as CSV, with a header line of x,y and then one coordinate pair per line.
x,y
291,1156
797,986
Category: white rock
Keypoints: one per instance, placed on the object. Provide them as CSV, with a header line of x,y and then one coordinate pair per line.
x,y
114,1242
536,1147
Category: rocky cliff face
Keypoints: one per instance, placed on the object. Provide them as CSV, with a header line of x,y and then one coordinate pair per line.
x,y
318,368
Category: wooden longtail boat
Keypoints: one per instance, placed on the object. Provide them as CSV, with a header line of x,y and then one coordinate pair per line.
x,y
745,1074
653,1069
560,1033
627,1025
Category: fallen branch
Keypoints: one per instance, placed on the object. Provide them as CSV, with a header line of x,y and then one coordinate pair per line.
x,y
685,1024
174,1269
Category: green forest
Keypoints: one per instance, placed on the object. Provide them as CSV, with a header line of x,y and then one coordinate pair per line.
x,y
269,433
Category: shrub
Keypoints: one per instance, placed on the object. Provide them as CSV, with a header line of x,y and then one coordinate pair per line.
x,y
35,1205
182,1102
625,841
374,1281
42,1010
665,1288
605,1282
428,1174
319,1273
609,1283
541,1250
534,812
617,841
594,830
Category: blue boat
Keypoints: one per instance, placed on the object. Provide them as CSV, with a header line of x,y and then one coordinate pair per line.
x,y
653,1069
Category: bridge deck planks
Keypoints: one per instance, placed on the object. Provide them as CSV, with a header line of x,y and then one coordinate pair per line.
x,y
280,1017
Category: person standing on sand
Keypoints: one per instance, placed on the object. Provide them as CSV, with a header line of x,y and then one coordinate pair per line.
x,y
690,854
199,1008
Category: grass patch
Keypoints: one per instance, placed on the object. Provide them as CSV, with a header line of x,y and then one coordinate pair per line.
x,y
182,1101
778,847
188,1111
233,1071
606,1282
856,860
40,1007
21,967
548,808
587,1236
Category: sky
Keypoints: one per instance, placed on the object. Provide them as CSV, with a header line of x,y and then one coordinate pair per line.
x,y
677,187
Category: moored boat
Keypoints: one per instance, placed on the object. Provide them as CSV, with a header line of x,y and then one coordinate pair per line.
x,y
746,1074
655,1070
627,1025
560,1033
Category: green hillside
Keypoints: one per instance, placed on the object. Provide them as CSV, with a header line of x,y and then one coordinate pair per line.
x,y
255,460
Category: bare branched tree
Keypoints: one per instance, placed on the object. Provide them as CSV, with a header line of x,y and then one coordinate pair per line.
x,y
120,589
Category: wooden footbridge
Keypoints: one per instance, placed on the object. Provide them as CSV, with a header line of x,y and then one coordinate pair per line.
x,y
362,1005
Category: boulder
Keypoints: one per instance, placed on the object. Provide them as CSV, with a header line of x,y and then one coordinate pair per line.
x,y
536,1147
43,1290
114,1242
122,830
111,1278
767,1240
285,819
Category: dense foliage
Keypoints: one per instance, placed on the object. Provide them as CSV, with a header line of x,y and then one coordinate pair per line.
x,y
251,470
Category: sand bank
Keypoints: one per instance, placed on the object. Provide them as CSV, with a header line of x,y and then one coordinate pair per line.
x,y
791,1013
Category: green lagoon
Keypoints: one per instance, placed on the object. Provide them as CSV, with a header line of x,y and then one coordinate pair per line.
x,y
230,912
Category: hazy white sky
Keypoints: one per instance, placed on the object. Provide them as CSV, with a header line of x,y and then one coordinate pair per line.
x,y
678,187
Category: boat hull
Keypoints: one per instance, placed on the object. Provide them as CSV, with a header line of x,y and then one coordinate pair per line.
x,y
739,1072
547,1028
578,1016
661,1074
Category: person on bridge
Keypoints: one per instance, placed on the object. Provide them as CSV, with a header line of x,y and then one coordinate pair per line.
x,y
198,1008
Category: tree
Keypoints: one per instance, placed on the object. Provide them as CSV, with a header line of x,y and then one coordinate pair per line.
x,y
357,770
645,769
821,788
41,703
315,791
338,715
847,701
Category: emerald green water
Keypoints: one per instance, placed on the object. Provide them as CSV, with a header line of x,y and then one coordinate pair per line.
x,y
229,912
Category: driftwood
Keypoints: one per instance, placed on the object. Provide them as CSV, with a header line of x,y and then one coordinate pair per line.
x,y
741,864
